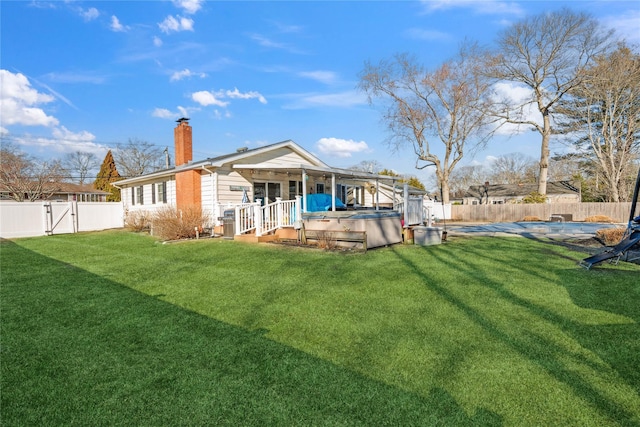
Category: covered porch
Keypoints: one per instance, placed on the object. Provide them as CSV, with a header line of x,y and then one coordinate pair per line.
x,y
264,218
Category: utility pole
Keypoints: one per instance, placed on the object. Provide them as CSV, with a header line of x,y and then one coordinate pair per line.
x,y
166,157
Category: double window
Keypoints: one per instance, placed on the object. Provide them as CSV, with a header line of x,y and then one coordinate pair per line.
x,y
158,194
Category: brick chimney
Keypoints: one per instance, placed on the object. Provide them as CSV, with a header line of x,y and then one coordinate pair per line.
x,y
188,185
183,142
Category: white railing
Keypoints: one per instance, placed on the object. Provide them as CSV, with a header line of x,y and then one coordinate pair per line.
x,y
245,217
265,219
415,214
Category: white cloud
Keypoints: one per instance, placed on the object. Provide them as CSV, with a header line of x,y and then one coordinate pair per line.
x,y
206,98
89,14
626,25
19,105
524,107
236,94
116,26
179,75
341,147
184,112
163,113
64,134
19,102
265,42
157,41
63,140
326,77
339,100
179,23
487,7
189,6
268,43
422,34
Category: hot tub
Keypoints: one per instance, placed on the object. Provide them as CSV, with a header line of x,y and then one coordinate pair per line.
x,y
382,227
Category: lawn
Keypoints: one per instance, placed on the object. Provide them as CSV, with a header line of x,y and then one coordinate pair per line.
x,y
114,328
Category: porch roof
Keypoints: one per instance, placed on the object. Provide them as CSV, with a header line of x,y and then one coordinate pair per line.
x,y
313,170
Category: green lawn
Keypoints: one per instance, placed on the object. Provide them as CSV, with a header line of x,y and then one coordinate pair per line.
x,y
114,328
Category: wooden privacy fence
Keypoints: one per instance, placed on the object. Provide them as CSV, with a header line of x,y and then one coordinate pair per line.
x,y
619,212
26,219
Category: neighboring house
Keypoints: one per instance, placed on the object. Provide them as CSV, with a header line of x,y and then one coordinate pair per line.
x,y
68,192
280,171
557,192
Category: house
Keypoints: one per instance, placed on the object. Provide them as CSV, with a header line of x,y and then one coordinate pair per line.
x,y
67,192
281,174
557,192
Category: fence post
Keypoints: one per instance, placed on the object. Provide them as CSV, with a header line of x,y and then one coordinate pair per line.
x,y
48,218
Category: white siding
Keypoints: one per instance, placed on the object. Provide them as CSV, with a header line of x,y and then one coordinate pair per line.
x,y
228,178
207,183
147,192
281,157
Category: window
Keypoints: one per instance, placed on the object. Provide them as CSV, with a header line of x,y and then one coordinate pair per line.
x,y
162,192
140,195
341,193
266,192
295,189
319,187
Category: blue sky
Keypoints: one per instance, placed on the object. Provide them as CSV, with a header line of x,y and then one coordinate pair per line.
x,y
87,76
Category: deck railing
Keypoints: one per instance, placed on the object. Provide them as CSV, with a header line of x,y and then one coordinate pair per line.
x,y
264,219
415,214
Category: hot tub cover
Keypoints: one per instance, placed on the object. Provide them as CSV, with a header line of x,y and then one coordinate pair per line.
x,y
322,202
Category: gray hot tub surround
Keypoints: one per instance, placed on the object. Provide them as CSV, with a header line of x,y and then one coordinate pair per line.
x,y
382,227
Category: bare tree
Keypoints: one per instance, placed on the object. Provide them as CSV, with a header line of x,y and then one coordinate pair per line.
x,y
449,104
138,158
23,177
514,168
80,164
604,113
370,166
462,178
545,53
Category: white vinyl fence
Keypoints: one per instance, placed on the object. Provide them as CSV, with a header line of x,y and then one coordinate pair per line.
x,y
27,219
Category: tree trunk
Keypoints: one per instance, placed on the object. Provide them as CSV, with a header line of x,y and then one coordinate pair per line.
x,y
543,176
445,191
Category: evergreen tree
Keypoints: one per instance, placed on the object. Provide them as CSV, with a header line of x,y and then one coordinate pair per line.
x,y
108,174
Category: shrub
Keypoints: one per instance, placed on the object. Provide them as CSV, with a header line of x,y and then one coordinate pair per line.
x,y
169,223
326,240
531,219
599,218
610,236
534,197
136,221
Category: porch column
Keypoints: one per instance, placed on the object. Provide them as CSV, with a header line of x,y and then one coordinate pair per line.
x,y
393,181
304,190
298,209
377,195
333,192
405,195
